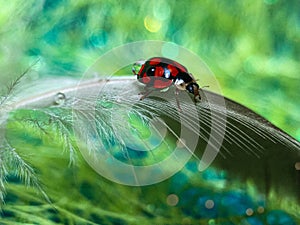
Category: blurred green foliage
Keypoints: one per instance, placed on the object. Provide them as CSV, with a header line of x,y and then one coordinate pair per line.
x,y
253,47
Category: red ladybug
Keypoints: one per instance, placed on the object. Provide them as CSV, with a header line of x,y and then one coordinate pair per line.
x,y
161,73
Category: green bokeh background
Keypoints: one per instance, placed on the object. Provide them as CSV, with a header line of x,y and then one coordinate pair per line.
x,y
253,47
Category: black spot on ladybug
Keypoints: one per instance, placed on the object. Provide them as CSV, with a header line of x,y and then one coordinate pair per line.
x,y
151,71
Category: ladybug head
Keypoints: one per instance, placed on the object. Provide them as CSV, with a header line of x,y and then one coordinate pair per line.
x,y
137,66
194,89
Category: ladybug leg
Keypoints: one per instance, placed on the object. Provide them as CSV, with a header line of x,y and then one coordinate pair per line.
x,y
177,100
145,93
146,89
197,97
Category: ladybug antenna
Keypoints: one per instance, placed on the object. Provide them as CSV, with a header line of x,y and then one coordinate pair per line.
x,y
205,86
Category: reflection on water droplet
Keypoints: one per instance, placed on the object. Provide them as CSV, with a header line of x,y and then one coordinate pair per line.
x,y
297,165
59,98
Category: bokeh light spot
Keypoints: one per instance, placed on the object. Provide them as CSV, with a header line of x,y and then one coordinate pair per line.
x,y
151,24
260,209
209,204
249,212
172,200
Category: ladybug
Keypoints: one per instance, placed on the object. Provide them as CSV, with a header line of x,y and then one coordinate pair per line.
x,y
160,73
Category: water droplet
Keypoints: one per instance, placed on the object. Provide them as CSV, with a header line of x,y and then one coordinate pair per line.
x,y
59,98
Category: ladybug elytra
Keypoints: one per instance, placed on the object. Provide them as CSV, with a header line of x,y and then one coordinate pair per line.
x,y
161,73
